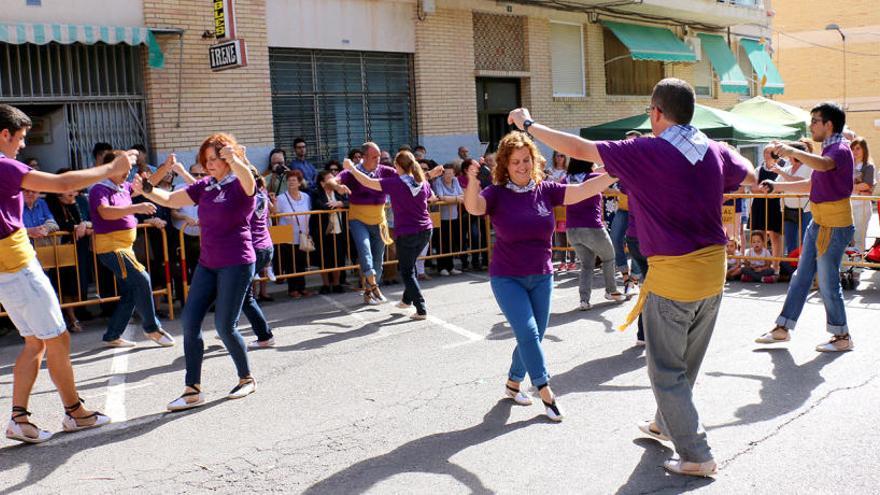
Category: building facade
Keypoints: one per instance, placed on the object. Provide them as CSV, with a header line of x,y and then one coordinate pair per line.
x,y
849,77
442,73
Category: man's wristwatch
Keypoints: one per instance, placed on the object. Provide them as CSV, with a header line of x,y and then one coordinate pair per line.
x,y
527,124
147,186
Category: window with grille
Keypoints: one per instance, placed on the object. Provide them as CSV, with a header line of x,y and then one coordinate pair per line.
x,y
625,76
567,59
499,42
336,100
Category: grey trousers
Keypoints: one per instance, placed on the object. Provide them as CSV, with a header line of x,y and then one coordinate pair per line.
x,y
588,244
677,335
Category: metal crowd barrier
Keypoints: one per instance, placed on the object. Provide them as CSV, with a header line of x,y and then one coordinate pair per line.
x,y
449,239
59,255
732,222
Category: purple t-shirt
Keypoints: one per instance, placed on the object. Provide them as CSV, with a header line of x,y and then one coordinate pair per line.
x,y
835,184
587,213
523,223
224,218
410,212
361,195
259,222
12,172
102,194
678,204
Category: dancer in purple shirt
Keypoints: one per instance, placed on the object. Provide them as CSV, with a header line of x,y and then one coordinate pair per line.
x,y
520,205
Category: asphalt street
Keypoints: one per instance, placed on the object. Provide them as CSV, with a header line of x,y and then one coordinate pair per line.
x,y
360,399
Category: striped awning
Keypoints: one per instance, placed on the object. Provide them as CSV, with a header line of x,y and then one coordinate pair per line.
x,y
40,34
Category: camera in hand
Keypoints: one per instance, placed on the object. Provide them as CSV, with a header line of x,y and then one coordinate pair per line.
x,y
774,156
280,169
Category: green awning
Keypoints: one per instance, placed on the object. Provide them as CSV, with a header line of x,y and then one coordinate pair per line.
x,y
651,43
66,34
774,112
767,73
724,62
717,124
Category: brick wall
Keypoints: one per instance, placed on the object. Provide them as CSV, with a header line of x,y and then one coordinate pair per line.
x,y
237,101
445,74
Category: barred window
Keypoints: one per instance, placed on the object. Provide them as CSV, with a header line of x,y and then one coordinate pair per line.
x,y
336,100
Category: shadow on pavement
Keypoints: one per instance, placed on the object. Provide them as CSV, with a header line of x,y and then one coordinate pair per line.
x,y
43,460
430,454
788,389
649,476
590,376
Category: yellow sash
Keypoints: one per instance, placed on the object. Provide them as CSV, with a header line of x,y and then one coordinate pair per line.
x,y
828,215
17,252
372,215
623,202
687,278
119,242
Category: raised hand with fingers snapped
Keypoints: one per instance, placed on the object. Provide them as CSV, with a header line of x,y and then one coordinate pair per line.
x,y
178,168
227,153
518,117
437,171
473,170
347,164
124,162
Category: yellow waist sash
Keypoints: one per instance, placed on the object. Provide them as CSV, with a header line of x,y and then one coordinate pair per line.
x,y
17,252
687,278
119,242
828,215
372,215
623,202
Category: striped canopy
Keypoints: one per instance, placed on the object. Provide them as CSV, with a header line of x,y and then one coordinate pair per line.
x,y
66,34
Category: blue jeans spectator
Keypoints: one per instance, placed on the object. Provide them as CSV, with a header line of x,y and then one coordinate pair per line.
x,y
640,265
225,289
618,236
794,233
828,268
250,308
135,293
525,302
370,248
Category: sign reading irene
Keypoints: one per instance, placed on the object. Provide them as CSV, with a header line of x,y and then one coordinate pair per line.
x,y
224,19
228,55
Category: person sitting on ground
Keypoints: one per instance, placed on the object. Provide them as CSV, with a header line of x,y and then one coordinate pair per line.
x,y
757,269
734,265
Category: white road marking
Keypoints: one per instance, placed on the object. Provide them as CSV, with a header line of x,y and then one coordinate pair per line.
x,y
471,336
114,406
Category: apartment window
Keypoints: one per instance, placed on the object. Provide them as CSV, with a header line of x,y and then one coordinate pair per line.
x,y
625,76
567,59
746,65
703,83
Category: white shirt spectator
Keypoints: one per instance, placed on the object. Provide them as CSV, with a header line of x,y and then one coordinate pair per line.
x,y
803,172
758,264
300,223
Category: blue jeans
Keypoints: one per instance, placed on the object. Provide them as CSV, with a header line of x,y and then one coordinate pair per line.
x,y
525,302
135,293
225,288
618,236
790,231
370,248
828,267
409,247
250,308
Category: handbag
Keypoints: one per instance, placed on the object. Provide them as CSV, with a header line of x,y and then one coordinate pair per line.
x,y
306,244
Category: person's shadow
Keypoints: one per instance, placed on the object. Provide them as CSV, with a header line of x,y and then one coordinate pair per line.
x,y
591,376
788,389
430,454
649,476
43,460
